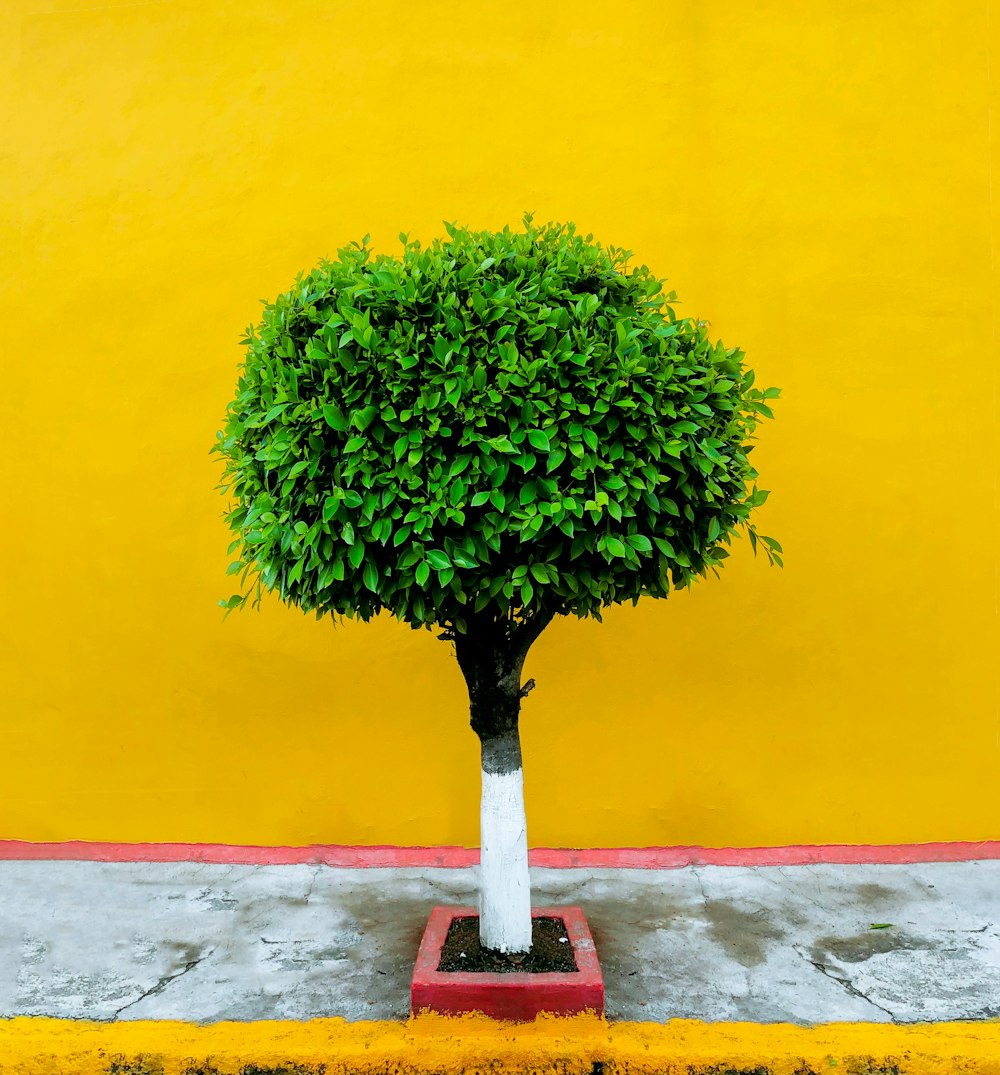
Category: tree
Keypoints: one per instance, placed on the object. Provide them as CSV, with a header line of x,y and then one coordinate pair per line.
x,y
480,435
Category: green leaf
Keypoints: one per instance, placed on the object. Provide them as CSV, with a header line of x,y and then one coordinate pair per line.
x,y
480,498
335,417
422,574
615,547
459,465
363,419
537,439
371,576
355,555
438,559
640,543
556,456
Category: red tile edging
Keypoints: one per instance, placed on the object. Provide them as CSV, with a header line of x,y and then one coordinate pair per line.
x,y
644,858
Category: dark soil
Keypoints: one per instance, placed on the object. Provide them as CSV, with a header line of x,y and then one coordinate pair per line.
x,y
550,950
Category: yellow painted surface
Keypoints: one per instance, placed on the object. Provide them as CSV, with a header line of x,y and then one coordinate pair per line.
x,y
474,1044
814,179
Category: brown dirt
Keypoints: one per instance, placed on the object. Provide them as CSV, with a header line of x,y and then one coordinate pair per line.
x,y
550,950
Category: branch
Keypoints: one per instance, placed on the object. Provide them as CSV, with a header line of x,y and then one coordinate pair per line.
x,y
528,630
526,689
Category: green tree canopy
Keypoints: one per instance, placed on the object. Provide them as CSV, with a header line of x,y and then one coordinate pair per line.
x,y
512,424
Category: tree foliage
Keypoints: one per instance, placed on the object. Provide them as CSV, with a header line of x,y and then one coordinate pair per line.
x,y
511,423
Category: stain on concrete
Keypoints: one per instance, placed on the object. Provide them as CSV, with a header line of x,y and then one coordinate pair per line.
x,y
185,952
860,947
743,935
871,893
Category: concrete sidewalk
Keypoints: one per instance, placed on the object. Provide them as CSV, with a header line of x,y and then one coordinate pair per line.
x,y
202,942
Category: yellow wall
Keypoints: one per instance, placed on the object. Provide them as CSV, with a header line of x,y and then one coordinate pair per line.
x,y
814,179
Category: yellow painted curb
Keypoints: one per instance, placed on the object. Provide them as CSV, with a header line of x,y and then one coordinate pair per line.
x,y
473,1044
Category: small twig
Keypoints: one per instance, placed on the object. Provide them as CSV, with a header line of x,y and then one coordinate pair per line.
x,y
526,689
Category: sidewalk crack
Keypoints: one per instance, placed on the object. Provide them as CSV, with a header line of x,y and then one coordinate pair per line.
x,y
448,891
797,889
312,880
849,987
701,884
162,983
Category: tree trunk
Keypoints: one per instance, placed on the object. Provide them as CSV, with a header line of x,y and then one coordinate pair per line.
x,y
504,885
491,655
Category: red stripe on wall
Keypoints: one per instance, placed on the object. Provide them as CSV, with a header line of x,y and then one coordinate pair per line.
x,y
643,858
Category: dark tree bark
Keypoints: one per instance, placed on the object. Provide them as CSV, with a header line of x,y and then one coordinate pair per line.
x,y
491,655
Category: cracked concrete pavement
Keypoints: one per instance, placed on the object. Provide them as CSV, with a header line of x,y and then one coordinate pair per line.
x,y
205,942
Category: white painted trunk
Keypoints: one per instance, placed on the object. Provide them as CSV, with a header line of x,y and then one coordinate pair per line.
x,y
504,888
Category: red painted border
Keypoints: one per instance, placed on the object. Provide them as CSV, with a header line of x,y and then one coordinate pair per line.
x,y
643,858
521,997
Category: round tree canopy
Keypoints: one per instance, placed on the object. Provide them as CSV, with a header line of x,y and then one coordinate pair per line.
x,y
509,423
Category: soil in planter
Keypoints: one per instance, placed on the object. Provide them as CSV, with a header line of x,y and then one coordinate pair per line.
x,y
551,950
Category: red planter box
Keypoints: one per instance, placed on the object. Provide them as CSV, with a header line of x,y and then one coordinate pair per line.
x,y
516,996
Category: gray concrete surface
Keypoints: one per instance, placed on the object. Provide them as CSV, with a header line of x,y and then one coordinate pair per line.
x,y
205,942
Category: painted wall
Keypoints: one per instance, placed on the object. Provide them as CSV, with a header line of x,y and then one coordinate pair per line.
x,y
814,179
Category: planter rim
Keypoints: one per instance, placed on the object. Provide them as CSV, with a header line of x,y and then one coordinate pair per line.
x,y
517,995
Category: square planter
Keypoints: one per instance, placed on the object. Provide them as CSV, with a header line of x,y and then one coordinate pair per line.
x,y
519,995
